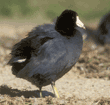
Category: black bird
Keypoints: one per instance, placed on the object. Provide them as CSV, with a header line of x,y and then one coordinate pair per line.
x,y
49,51
103,30
101,35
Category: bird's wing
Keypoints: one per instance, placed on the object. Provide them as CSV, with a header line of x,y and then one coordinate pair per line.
x,y
50,60
21,50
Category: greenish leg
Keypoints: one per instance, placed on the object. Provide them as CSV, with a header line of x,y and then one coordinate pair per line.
x,y
55,90
40,89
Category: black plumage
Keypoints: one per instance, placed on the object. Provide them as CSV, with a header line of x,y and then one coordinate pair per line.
x,y
49,51
103,31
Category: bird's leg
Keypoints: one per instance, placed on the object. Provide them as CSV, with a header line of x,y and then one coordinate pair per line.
x,y
40,89
55,89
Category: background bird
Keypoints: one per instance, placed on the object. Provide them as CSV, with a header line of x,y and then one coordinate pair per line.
x,y
104,29
101,35
49,51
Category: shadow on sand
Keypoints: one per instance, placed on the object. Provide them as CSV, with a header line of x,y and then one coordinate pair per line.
x,y
5,90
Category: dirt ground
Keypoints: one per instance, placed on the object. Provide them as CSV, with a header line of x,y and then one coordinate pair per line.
x,y
87,83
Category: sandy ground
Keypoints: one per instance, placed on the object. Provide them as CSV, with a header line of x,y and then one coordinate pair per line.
x,y
88,82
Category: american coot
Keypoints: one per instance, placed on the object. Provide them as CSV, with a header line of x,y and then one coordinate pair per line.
x,y
49,51
103,31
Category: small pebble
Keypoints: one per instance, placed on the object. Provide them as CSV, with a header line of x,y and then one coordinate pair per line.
x,y
101,64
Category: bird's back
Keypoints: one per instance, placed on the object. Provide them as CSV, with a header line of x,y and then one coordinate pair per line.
x,y
22,51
